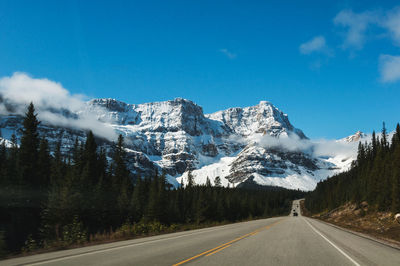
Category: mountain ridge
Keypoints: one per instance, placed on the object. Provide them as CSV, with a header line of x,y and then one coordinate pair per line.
x,y
176,137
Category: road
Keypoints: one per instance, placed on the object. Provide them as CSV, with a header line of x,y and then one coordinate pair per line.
x,y
291,240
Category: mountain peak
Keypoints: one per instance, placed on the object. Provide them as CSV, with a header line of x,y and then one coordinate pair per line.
x,y
262,118
355,137
265,103
182,100
109,103
175,136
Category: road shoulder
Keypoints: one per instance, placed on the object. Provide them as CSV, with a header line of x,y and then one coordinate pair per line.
x,y
385,241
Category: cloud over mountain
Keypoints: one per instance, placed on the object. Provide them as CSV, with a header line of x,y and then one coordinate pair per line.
x,y
54,104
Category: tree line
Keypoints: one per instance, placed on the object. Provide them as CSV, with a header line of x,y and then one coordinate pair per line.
x,y
374,177
49,198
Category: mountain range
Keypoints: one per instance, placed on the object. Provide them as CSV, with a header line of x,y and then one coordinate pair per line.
x,y
250,145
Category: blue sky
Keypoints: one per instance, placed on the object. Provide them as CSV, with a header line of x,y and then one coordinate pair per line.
x,y
333,67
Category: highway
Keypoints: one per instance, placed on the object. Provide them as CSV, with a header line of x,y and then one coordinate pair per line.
x,y
290,240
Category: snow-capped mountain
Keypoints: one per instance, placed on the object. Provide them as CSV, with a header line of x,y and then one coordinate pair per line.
x,y
355,137
253,144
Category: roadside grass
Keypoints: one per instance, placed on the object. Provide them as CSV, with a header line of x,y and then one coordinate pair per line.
x,y
361,218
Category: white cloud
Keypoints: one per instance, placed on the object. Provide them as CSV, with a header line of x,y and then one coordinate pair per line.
x,y
324,147
228,54
357,25
317,44
389,68
317,148
392,23
51,101
291,142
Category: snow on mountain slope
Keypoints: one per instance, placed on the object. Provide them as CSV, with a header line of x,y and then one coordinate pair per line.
x,y
262,118
220,167
256,144
355,137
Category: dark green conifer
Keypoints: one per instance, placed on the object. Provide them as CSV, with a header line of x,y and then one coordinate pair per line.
x,y
28,152
217,181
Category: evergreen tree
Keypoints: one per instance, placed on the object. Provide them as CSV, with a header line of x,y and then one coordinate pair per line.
x,y
374,178
3,164
44,165
139,199
217,181
28,153
121,181
12,169
384,136
374,144
89,160
57,165
396,180
28,195
396,137
190,179
153,209
208,182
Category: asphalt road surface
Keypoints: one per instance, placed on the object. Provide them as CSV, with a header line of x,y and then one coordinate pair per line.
x,y
290,240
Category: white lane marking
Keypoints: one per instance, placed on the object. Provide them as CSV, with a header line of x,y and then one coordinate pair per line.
x,y
341,251
110,249
66,257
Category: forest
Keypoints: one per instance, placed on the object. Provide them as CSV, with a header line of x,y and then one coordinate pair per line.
x,y
374,177
52,200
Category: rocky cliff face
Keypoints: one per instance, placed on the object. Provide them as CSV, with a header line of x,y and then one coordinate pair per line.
x,y
177,137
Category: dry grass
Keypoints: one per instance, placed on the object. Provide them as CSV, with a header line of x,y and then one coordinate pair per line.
x,y
364,219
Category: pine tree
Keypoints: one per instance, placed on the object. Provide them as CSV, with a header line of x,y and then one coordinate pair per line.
x,y
153,208
28,153
44,165
29,196
57,171
89,179
190,179
201,207
217,181
162,199
12,169
119,161
208,182
374,144
360,153
101,193
139,199
396,180
374,177
89,160
3,165
121,180
384,137
396,137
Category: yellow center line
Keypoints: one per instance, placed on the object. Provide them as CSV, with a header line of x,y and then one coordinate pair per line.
x,y
218,250
221,247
